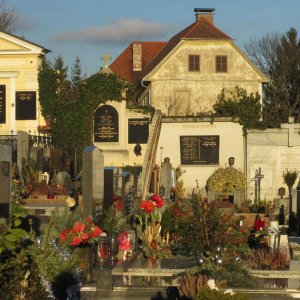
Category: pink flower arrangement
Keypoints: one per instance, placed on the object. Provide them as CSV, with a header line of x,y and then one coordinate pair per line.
x,y
81,233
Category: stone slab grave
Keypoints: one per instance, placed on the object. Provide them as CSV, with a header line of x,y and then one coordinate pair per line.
x,y
160,272
5,181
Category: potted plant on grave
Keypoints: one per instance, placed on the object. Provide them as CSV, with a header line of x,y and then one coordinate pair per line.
x,y
113,222
149,228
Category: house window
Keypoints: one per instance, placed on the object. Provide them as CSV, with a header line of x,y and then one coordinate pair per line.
x,y
194,63
221,64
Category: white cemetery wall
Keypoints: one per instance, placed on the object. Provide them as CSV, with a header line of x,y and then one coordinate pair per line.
x,y
230,144
269,149
121,153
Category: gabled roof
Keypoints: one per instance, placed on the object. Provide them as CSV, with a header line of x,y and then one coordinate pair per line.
x,y
122,65
154,52
25,44
202,29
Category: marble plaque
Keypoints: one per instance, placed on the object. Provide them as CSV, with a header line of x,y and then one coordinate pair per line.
x,y
26,105
106,124
199,150
138,131
289,159
266,182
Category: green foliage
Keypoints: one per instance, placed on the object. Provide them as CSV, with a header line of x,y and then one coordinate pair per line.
x,y
13,281
167,220
246,108
290,177
260,206
49,257
71,105
226,180
208,294
201,227
112,220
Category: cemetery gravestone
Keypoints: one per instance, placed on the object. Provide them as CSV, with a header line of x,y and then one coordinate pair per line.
x,y
5,181
108,187
22,148
166,177
93,181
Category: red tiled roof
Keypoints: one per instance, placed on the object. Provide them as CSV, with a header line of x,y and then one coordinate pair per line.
x,y
154,52
122,65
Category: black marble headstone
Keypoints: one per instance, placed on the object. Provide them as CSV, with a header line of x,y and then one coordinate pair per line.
x,y
26,105
108,188
199,150
106,124
138,131
2,104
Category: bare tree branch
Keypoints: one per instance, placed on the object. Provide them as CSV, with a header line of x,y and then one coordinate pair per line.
x,y
8,16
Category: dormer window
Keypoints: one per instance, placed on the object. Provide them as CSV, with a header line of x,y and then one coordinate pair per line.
x,y
194,63
221,64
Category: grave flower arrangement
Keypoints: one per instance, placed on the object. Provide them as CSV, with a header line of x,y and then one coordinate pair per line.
x,y
81,234
149,227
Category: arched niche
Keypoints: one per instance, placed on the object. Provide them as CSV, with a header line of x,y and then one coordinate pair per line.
x,y
106,124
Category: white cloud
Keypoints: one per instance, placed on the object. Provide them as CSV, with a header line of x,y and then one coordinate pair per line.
x,y
122,31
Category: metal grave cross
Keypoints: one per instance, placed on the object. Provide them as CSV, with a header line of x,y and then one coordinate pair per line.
x,y
257,181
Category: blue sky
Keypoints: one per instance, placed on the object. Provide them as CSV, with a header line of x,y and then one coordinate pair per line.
x,y
91,28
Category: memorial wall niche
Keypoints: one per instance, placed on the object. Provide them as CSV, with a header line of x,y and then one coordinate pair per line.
x,y
138,131
2,104
26,105
106,124
199,150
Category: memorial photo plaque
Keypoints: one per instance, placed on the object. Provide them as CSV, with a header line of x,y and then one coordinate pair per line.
x,y
199,150
2,104
106,124
138,131
25,105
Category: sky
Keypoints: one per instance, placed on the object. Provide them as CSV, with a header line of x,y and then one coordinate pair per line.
x,y
91,28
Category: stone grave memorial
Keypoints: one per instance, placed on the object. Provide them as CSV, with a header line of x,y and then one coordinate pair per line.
x,y
5,182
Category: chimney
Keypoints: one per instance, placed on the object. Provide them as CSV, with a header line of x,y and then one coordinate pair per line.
x,y
207,13
136,56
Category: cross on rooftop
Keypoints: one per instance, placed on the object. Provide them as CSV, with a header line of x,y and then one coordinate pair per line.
x,y
106,58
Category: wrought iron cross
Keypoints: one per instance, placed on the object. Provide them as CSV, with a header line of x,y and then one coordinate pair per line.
x,y
257,181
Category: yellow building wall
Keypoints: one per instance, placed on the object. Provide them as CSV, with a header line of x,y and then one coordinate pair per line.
x,y
18,72
203,87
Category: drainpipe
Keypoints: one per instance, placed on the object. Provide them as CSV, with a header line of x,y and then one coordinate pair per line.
x,y
149,91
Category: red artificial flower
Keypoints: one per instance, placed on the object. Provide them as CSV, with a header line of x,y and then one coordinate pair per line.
x,y
89,221
158,200
76,240
153,245
148,206
118,205
64,234
78,227
177,212
97,231
116,197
